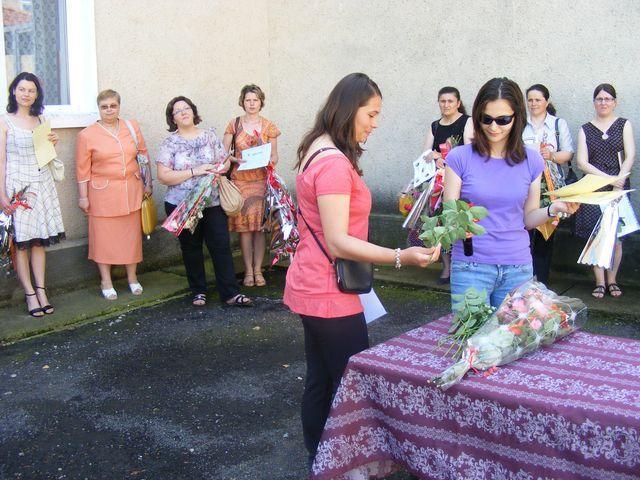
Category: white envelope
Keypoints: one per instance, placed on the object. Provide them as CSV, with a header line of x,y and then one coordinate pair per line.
x,y
256,157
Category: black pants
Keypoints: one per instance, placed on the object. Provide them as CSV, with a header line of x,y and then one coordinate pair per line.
x,y
213,229
328,344
541,251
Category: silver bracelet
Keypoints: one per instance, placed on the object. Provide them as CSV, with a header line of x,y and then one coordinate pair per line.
x,y
398,264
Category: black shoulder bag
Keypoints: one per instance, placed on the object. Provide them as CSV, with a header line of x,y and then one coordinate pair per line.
x,y
352,276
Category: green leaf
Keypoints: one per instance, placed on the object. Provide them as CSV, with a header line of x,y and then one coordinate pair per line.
x,y
479,212
462,205
449,205
476,229
439,231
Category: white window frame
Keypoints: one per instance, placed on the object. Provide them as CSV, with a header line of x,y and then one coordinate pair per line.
x,y
83,72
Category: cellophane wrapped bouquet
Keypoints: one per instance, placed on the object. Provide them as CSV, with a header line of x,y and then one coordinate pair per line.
x,y
531,316
189,212
19,200
280,218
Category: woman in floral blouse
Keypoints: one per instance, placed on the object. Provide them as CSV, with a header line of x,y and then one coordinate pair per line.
x,y
185,155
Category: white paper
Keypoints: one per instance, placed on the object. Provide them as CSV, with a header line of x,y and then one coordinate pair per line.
x,y
599,249
256,157
628,221
423,170
373,308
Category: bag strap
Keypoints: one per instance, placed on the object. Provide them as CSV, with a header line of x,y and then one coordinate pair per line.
x,y
315,154
132,132
315,237
558,139
232,148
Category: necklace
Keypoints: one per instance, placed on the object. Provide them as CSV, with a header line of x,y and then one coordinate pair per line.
x,y
112,131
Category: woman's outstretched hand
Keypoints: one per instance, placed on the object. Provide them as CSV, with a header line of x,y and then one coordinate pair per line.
x,y
419,256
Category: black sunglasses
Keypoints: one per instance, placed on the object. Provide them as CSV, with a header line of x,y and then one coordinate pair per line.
x,y
502,121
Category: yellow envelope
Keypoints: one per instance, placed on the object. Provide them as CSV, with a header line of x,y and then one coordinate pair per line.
x,y
595,198
45,152
587,184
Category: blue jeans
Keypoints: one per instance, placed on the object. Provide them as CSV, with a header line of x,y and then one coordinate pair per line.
x,y
497,280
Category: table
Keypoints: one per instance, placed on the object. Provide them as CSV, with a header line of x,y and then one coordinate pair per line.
x,y
569,411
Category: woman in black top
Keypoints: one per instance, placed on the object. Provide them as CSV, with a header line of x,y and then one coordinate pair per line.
x,y
456,125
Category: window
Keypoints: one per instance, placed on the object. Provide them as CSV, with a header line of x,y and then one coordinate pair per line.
x,y
54,39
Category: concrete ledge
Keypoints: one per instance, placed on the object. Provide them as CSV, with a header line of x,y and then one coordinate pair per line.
x,y
69,269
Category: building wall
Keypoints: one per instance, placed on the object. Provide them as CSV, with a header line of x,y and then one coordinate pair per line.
x,y
152,50
412,48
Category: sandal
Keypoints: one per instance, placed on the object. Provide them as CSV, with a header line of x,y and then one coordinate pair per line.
x,y
260,281
239,300
34,311
248,280
614,288
109,293
135,288
199,299
48,308
598,292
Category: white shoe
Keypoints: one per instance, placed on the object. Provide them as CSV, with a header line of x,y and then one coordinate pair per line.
x,y
135,288
109,293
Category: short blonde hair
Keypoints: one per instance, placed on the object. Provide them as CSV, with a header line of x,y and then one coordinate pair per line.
x,y
251,88
104,94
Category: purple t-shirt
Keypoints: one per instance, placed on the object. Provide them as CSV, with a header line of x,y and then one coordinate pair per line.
x,y
503,190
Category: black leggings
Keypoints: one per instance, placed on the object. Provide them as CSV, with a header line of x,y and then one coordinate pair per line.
x,y
541,253
328,344
213,231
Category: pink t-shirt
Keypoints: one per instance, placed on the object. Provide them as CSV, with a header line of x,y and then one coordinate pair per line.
x,y
311,287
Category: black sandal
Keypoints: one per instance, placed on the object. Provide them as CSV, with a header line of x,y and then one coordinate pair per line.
x,y
33,311
598,292
199,300
614,287
48,309
239,300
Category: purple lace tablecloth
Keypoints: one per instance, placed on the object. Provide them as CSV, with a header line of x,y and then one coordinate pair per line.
x,y
568,411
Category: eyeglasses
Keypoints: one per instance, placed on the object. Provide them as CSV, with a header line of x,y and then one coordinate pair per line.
x,y
502,120
111,106
178,112
603,100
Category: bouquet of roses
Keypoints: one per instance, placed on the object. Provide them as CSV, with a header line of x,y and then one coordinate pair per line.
x,y
529,317
471,312
189,211
19,199
280,217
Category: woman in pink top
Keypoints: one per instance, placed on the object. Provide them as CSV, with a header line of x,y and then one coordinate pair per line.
x,y
336,204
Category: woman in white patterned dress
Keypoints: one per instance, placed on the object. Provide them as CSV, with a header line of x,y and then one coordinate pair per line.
x,y
40,225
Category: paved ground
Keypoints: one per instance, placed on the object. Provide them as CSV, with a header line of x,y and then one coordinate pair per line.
x,y
169,391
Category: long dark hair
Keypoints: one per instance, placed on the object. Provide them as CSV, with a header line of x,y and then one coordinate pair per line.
x,y
456,92
12,104
336,117
169,112
538,87
501,89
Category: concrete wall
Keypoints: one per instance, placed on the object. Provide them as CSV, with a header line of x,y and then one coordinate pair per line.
x,y
412,48
152,50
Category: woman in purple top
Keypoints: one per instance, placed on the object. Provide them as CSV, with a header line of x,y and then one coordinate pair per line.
x,y
499,173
